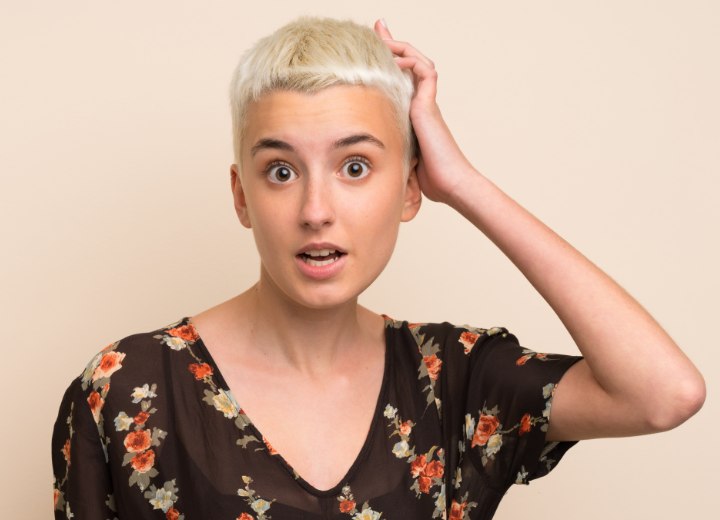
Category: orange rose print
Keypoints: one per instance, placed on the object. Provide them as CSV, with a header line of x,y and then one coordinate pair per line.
x,y
200,370
485,428
525,424
525,357
66,451
468,340
347,505
433,366
141,417
244,516
96,403
143,462
457,510
185,332
424,484
417,465
172,514
424,472
109,363
434,469
56,497
522,360
137,441
406,427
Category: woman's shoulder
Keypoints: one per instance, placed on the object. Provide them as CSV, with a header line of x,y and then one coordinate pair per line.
x,y
111,358
141,355
445,350
133,367
447,334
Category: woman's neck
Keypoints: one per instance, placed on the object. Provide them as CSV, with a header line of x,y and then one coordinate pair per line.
x,y
311,341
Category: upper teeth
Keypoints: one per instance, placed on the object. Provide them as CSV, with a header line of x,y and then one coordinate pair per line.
x,y
320,252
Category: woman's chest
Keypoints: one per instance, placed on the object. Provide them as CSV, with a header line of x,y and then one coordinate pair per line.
x,y
318,428
393,462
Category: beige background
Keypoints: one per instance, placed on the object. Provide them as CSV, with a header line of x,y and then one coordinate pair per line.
x,y
602,118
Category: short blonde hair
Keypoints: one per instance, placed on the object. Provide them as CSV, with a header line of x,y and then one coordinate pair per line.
x,y
310,54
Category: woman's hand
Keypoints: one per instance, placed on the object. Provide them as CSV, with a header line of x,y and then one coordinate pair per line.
x,y
442,167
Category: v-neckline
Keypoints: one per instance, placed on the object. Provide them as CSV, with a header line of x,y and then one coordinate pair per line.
x,y
362,454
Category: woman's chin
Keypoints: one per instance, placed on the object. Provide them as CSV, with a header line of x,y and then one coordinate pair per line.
x,y
325,300
317,295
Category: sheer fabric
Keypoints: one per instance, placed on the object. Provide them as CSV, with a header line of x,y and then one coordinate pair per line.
x,y
150,430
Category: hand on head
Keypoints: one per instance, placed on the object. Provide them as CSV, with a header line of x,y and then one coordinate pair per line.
x,y
442,165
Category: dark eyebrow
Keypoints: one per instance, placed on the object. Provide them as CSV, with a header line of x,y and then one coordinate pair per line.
x,y
268,143
277,144
358,138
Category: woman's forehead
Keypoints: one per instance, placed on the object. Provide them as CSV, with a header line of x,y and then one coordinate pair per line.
x,y
329,115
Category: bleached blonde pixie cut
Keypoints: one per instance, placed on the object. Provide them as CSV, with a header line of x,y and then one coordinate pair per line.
x,y
310,54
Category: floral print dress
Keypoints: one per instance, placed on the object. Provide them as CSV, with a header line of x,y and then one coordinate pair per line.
x,y
150,430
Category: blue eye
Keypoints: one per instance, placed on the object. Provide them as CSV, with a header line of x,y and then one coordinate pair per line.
x,y
280,173
356,167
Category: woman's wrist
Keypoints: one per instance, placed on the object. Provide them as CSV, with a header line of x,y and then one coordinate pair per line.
x,y
468,189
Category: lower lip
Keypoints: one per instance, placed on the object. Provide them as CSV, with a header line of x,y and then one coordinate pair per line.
x,y
320,272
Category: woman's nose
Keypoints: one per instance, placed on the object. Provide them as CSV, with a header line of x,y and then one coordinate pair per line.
x,y
317,208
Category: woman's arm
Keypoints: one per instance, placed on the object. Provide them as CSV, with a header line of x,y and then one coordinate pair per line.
x,y
83,485
634,378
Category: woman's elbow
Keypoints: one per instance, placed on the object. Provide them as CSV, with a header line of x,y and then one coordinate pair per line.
x,y
683,400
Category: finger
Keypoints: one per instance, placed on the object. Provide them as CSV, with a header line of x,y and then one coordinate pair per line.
x,y
421,69
404,49
382,30
425,76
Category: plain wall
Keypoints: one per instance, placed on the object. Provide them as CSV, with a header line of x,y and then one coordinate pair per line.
x,y
602,118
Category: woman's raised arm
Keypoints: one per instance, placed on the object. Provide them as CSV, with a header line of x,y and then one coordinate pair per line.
x,y
634,378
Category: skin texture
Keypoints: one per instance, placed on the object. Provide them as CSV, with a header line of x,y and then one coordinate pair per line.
x,y
293,348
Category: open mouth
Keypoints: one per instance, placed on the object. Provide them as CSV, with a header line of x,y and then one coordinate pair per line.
x,y
321,257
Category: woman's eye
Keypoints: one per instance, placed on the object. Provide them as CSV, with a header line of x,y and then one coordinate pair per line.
x,y
356,168
280,173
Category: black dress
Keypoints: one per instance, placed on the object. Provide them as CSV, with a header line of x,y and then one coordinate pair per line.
x,y
150,430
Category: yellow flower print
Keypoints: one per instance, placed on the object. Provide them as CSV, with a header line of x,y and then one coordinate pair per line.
x,y
123,422
174,342
224,404
143,392
493,445
259,505
401,449
469,426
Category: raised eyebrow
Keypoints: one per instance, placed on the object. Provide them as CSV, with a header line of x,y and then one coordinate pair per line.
x,y
269,143
358,138
277,144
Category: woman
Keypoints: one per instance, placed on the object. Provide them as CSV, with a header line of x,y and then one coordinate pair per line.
x,y
336,411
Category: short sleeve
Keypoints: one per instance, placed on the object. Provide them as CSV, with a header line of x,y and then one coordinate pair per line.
x,y
509,399
82,487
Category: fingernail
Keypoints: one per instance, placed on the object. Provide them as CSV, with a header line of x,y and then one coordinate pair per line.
x,y
384,24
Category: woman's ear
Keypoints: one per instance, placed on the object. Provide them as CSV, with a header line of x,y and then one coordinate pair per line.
x,y
413,194
239,196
